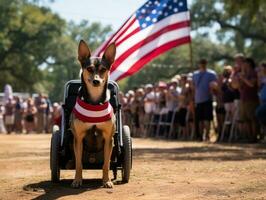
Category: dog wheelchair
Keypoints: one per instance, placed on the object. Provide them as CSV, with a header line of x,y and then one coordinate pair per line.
x,y
62,153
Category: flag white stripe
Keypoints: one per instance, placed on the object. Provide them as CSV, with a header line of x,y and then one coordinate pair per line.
x,y
90,113
136,38
159,41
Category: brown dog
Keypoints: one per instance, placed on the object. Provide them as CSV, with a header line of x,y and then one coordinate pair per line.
x,y
95,74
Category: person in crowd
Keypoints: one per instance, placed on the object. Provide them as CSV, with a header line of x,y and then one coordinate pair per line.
x,y
48,111
29,113
9,115
202,82
227,94
149,106
149,99
128,108
161,98
172,96
2,124
56,114
133,107
122,99
249,100
139,112
172,101
24,105
238,64
161,111
18,115
135,110
219,109
261,110
189,96
176,80
182,109
41,106
123,102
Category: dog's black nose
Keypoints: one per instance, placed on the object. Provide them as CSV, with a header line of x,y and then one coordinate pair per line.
x,y
96,82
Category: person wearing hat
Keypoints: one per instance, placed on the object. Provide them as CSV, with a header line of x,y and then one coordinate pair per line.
x,y
149,105
9,115
203,83
249,100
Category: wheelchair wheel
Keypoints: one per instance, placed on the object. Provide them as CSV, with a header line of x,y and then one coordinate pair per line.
x,y
54,157
127,153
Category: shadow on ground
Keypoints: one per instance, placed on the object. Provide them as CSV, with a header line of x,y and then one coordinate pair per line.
x,y
51,190
215,152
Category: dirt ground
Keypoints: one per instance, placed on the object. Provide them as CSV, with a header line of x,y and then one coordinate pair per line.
x,y
161,170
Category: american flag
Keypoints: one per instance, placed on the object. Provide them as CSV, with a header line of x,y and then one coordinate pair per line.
x,y
153,29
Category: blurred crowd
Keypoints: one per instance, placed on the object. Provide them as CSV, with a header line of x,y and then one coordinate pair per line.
x,y
28,115
202,105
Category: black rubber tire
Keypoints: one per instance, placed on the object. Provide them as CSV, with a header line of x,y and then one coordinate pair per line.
x,y
127,154
54,157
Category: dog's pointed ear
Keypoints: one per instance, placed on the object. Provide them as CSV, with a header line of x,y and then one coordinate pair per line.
x,y
109,54
83,51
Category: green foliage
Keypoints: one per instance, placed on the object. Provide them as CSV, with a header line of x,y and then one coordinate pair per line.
x,y
38,49
242,23
27,38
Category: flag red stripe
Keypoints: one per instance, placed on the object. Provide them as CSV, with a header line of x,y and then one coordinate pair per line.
x,y
126,37
148,57
143,42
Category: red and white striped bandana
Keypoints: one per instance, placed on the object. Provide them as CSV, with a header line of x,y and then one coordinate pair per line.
x,y
93,113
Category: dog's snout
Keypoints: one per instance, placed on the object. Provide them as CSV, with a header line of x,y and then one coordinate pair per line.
x,y
96,82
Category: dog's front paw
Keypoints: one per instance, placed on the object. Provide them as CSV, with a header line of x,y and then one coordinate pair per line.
x,y
108,184
76,183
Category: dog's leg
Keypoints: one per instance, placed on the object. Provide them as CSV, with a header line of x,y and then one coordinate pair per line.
x,y
78,149
108,147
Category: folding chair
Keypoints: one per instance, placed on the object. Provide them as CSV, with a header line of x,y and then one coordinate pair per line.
x,y
228,122
234,129
166,123
153,123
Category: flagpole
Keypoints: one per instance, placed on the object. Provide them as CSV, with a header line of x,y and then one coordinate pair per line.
x,y
190,46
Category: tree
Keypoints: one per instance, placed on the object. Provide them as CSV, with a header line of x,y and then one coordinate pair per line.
x,y
27,37
242,23
38,49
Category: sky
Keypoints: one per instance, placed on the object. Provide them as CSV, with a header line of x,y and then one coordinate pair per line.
x,y
108,12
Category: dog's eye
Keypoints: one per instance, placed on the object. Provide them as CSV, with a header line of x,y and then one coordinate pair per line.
x,y
103,70
89,69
